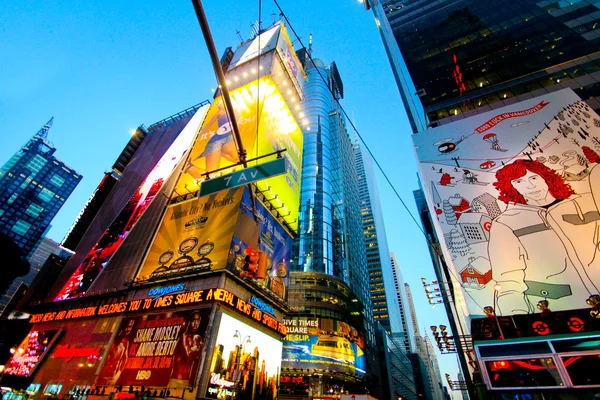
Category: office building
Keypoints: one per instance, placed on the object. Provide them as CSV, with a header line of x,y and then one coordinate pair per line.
x,y
327,283
466,57
34,185
406,315
386,309
490,87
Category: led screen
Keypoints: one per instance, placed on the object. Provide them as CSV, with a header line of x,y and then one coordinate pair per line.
x,y
214,147
325,344
157,350
245,364
107,245
514,197
30,352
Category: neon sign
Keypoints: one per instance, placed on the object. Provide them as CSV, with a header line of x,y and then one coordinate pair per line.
x,y
163,290
169,300
64,351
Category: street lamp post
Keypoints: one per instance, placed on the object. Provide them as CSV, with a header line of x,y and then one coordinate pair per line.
x,y
238,365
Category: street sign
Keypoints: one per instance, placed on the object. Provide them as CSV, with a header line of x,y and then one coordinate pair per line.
x,y
243,177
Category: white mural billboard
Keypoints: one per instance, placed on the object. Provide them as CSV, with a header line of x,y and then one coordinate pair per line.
x,y
515,194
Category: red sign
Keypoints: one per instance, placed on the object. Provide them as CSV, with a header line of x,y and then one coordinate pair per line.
x,y
513,114
157,350
63,351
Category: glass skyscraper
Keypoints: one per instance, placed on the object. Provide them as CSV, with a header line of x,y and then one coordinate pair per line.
x,y
34,185
453,59
329,274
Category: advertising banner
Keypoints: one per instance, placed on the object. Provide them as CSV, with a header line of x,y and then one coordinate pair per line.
x,y
245,363
214,147
324,344
514,195
194,235
157,350
30,352
219,231
109,242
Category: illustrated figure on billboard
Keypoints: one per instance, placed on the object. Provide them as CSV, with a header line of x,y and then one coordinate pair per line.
x,y
186,356
542,209
220,145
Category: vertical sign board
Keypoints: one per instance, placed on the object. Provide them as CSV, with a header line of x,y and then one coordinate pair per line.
x,y
514,195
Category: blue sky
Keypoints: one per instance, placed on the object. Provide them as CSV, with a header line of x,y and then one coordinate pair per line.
x,y
103,68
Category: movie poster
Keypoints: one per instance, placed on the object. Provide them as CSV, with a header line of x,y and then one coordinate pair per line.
x,y
245,364
515,194
157,350
323,343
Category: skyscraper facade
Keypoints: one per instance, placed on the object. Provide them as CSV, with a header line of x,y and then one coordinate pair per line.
x,y
466,57
490,87
327,283
406,314
34,185
386,309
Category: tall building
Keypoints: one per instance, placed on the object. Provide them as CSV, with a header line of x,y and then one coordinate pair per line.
x,y
386,309
179,286
406,315
397,370
34,185
495,91
328,285
468,57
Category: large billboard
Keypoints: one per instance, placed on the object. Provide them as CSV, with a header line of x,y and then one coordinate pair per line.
x,y
220,231
157,350
514,195
266,125
325,344
245,363
109,242
30,352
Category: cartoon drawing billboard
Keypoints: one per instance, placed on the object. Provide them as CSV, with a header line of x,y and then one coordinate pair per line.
x,y
515,194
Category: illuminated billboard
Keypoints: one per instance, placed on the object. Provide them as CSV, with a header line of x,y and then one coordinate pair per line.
x,y
324,344
214,147
245,363
219,231
157,350
99,256
514,198
30,352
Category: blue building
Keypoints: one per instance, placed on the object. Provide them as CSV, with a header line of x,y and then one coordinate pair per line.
x,y
34,185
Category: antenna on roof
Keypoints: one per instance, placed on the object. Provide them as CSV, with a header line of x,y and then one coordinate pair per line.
x,y
43,132
310,45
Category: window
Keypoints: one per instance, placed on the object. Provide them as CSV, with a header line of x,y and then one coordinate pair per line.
x,y
12,198
34,210
46,195
57,180
36,164
21,227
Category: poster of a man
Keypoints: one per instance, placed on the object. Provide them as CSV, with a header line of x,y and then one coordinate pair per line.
x,y
187,352
541,209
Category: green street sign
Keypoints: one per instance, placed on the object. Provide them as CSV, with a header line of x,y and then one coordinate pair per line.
x,y
243,177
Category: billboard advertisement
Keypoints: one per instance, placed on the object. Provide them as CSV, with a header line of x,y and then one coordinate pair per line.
x,y
245,363
109,242
157,350
214,147
194,235
219,231
30,352
514,198
325,344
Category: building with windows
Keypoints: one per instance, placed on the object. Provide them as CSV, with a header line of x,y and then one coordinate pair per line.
x,y
407,316
476,78
327,282
34,185
386,309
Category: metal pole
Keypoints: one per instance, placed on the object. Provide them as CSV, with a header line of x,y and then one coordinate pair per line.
x,y
220,77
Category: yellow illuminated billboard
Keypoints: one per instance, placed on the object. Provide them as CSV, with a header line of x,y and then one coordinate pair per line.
x,y
266,125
